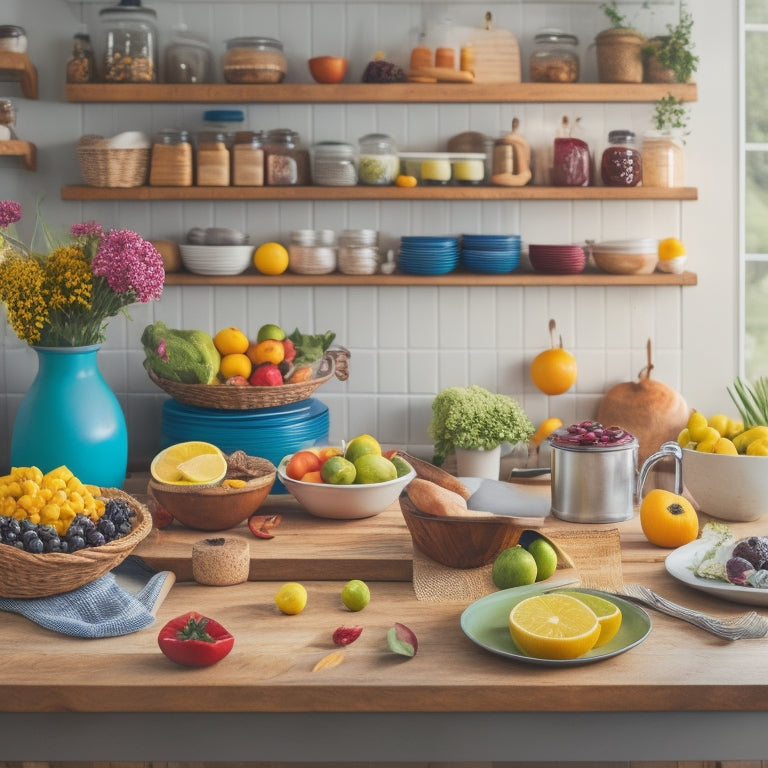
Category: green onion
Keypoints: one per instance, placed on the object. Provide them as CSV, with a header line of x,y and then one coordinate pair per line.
x,y
751,400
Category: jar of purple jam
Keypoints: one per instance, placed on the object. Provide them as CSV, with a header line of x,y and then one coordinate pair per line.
x,y
621,164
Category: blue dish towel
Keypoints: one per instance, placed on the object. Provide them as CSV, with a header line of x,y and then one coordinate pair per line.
x,y
101,608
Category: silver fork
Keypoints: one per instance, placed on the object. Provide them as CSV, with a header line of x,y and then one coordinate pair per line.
x,y
747,625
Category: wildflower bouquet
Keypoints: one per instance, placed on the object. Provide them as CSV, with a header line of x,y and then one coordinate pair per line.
x,y
64,298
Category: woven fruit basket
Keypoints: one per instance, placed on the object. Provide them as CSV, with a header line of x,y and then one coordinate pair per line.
x,y
23,574
104,166
335,362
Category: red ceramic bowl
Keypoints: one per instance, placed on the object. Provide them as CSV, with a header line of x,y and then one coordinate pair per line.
x,y
328,69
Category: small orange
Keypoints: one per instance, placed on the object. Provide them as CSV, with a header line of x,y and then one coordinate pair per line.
x,y
271,259
268,351
554,370
230,341
316,476
301,463
304,373
668,519
235,364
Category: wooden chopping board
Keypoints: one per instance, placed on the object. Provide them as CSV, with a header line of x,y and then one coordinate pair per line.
x,y
496,55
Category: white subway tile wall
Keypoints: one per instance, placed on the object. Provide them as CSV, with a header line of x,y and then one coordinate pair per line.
x,y
406,343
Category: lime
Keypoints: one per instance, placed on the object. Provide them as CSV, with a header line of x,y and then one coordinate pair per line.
x,y
361,445
545,556
374,468
355,595
608,614
291,598
514,567
270,331
338,471
401,466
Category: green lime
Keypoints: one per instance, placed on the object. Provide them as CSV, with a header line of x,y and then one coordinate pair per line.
x,y
270,331
360,446
401,465
338,471
374,468
513,567
545,556
355,595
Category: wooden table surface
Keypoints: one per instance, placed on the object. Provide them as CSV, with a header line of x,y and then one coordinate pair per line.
x,y
450,686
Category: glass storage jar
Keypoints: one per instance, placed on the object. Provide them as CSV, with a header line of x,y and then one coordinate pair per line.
x,y
379,162
13,38
248,159
7,120
212,159
187,59
621,164
81,68
312,251
663,160
570,161
358,251
555,57
171,163
254,60
286,163
333,164
130,43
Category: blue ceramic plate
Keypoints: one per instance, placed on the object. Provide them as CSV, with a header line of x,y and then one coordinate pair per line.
x,y
485,623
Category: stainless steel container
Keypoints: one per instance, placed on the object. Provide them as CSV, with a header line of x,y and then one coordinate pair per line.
x,y
594,483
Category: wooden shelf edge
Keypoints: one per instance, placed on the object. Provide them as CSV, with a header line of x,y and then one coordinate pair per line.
x,y
24,150
461,279
23,69
378,93
82,192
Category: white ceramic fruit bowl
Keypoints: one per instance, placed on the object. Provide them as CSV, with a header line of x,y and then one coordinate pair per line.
x,y
216,259
727,487
343,502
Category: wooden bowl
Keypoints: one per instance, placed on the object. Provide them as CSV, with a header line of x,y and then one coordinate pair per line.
x,y
215,508
328,69
627,257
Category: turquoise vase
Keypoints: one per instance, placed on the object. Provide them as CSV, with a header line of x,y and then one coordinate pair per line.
x,y
70,416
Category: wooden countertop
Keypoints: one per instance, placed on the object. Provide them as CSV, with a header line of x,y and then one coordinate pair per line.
x,y
678,667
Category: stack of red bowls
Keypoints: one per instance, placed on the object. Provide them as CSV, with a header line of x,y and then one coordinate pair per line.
x,y
557,259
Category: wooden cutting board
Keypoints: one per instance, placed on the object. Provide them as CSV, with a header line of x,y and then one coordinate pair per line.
x,y
496,55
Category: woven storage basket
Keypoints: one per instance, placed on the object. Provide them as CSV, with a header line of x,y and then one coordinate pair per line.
x,y
335,362
102,166
23,574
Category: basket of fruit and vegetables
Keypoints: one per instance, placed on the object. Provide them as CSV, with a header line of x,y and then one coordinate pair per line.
x,y
52,547
232,372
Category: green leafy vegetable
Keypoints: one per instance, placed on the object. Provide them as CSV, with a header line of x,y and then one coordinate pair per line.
x,y
310,347
751,400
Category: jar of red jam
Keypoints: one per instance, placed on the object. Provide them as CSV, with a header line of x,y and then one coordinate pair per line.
x,y
571,163
621,164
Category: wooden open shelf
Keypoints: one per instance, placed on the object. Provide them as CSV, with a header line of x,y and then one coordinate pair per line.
x,y
378,93
83,192
20,68
24,150
459,278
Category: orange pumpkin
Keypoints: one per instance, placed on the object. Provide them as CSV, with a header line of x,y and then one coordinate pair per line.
x,y
668,519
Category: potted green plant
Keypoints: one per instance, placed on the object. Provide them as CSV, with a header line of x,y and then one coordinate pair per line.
x,y
619,49
663,160
669,58
477,420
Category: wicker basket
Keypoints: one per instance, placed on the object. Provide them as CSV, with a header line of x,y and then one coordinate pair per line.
x,y
335,362
102,166
23,574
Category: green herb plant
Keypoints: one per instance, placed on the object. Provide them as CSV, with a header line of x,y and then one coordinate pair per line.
x,y
670,115
751,400
614,16
674,51
475,419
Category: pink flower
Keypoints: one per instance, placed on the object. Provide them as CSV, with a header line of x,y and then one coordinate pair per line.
x,y
129,263
10,212
87,228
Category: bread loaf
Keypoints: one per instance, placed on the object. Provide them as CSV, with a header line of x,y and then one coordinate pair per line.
x,y
221,561
435,500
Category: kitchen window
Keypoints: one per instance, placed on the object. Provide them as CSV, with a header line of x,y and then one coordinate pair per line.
x,y
754,188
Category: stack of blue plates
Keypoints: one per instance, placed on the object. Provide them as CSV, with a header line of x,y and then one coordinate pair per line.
x,y
420,255
494,254
270,433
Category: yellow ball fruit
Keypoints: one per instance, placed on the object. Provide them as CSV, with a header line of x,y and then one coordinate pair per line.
x,y
271,259
230,341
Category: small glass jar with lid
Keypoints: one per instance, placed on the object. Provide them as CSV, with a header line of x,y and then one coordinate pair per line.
x,y
248,159
254,60
171,163
81,68
621,164
7,120
359,251
187,59
312,251
286,162
13,38
379,162
555,57
333,164
130,43
663,159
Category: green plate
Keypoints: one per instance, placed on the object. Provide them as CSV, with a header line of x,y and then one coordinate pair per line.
x,y
485,623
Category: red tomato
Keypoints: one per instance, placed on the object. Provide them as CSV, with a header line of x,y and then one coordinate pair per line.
x,y
302,462
195,640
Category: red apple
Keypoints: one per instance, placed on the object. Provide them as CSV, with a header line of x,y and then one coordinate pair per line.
x,y
289,351
266,375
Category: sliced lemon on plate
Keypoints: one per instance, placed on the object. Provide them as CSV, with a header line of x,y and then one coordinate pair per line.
x,y
608,615
190,463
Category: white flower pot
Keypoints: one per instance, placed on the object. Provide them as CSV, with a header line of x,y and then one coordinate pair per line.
x,y
479,463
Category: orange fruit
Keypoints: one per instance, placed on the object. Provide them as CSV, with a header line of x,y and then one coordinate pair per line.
x,y
235,364
316,476
301,463
554,371
545,429
305,373
230,341
269,351
271,259
667,519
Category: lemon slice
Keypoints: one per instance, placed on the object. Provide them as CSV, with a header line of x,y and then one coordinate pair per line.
x,y
553,626
608,615
203,463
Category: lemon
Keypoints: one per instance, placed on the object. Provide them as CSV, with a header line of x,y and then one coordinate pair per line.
x,y
291,598
355,595
206,469
235,364
554,371
608,615
553,626
374,468
165,466
545,429
514,567
230,341
670,248
271,259
361,445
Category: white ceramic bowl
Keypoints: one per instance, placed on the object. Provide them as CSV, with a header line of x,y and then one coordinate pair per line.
x,y
627,257
731,488
216,259
343,502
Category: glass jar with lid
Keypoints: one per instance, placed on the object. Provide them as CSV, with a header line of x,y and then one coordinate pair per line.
x,y
333,164
7,120
312,251
81,68
286,162
621,164
663,159
254,60
130,43
555,57
187,59
13,38
171,163
379,162
248,159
